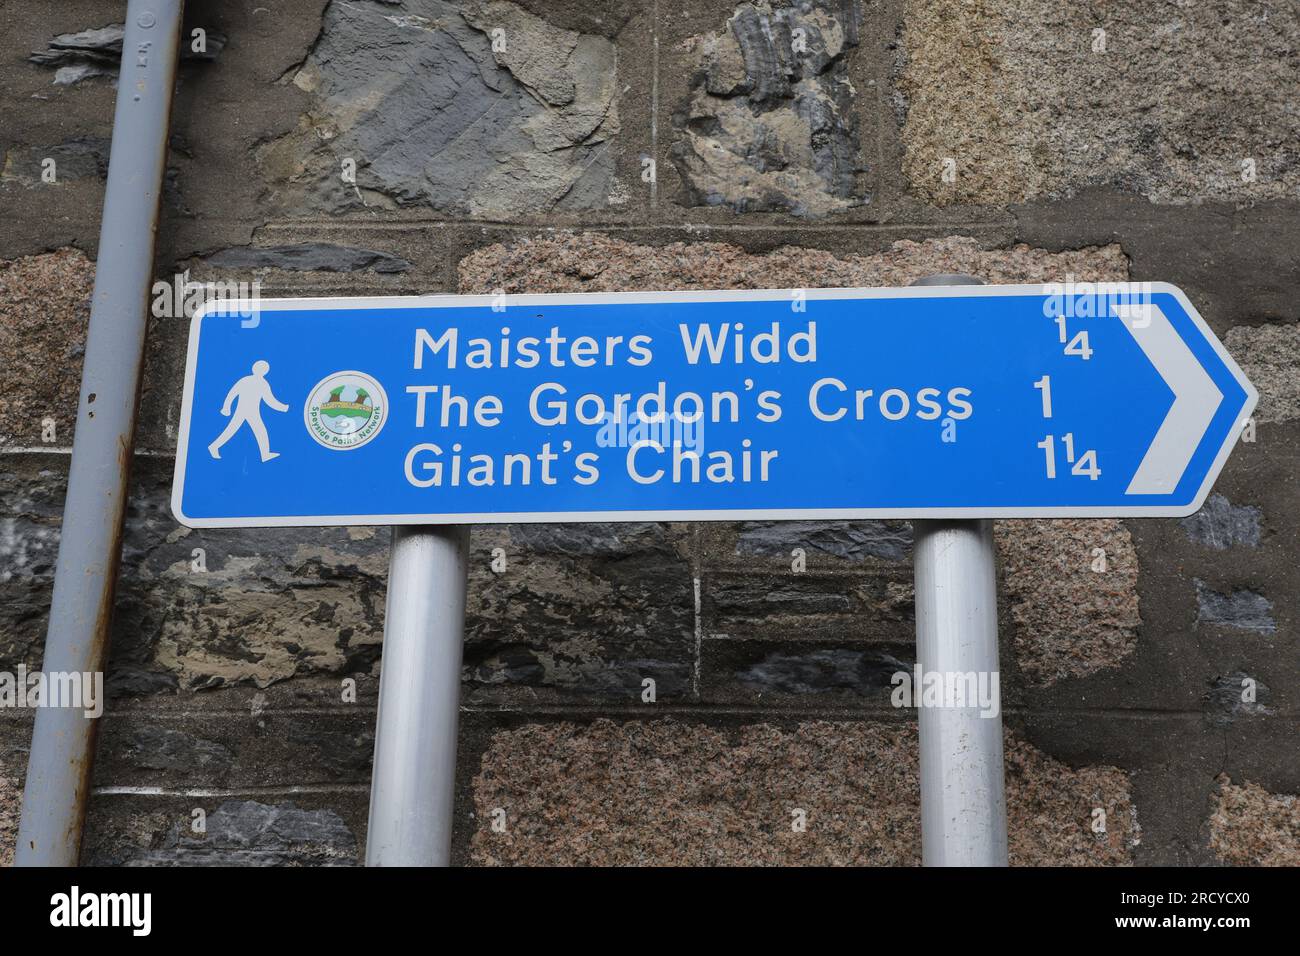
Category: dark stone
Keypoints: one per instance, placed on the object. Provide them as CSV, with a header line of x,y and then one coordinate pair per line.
x,y
582,608
605,19
1244,609
138,682
247,833
760,596
83,157
805,596
772,95
98,52
460,128
822,670
307,257
874,606
586,608
850,540
1220,524
263,608
487,663
587,540
29,546
157,748
1224,698
346,755
764,41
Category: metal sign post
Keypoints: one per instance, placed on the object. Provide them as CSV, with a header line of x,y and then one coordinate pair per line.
x,y
963,793
412,789
963,804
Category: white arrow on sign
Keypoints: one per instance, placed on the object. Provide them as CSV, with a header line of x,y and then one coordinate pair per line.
x,y
1196,399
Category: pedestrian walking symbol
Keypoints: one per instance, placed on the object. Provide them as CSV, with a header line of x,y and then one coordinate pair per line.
x,y
248,394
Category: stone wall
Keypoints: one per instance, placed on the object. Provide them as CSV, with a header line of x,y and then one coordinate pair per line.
x,y
415,146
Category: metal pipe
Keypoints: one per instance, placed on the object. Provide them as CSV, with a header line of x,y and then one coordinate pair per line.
x,y
413,786
963,799
58,771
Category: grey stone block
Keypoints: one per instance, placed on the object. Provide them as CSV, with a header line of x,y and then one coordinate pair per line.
x,y
771,123
495,113
816,671
847,540
248,833
98,52
307,257
1226,697
1220,524
158,748
1241,608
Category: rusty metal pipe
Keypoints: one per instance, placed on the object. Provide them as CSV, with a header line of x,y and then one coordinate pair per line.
x,y
63,742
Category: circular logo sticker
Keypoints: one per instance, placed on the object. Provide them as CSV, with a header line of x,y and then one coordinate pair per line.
x,y
346,410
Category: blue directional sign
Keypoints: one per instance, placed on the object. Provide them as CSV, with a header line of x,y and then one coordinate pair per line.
x,y
969,401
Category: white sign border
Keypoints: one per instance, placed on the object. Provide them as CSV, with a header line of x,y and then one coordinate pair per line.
x,y
234,308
